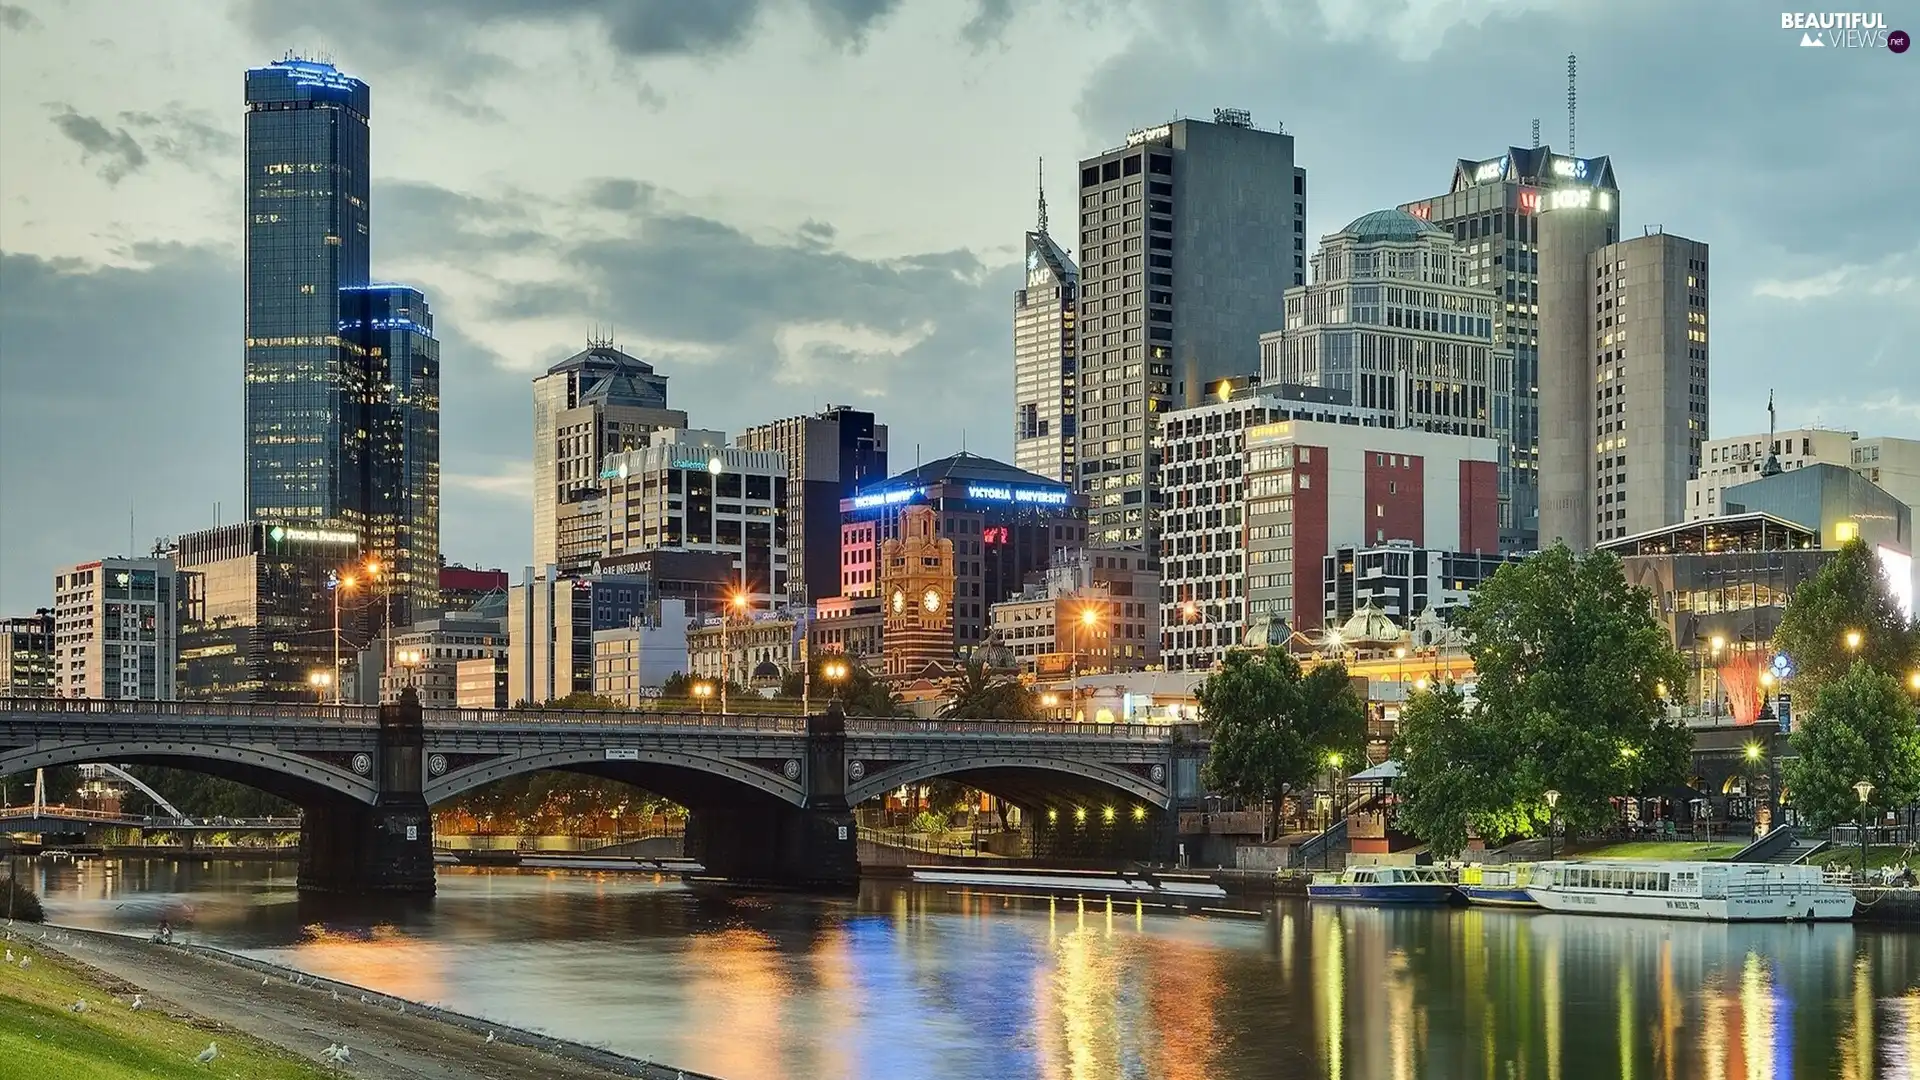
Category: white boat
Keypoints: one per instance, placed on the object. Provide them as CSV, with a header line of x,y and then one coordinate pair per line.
x,y
1710,891
1385,885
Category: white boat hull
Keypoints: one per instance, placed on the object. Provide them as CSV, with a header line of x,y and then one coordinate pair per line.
x,y
1820,904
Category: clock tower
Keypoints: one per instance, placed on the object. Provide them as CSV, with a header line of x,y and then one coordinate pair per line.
x,y
916,587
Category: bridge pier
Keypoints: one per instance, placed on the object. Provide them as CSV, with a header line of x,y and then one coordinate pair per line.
x,y
349,847
768,842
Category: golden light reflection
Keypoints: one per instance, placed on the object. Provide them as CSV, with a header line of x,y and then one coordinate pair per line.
x,y
1627,1017
1856,1042
1330,955
386,958
736,974
1713,1033
1181,1000
1671,1012
1756,1018
1403,1021
1551,1003
833,973
1085,982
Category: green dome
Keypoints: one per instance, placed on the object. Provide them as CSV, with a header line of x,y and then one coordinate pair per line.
x,y
1392,225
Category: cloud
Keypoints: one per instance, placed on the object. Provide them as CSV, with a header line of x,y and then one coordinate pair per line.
x,y
118,152
17,18
1894,275
188,136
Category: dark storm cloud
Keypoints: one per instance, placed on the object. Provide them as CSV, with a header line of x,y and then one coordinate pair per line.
x,y
187,136
620,195
135,375
18,18
426,220
117,152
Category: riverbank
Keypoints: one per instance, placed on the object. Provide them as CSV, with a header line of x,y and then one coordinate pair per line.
x,y
217,994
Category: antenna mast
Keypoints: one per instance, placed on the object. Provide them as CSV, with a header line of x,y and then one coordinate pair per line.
x,y
1572,100
1043,196
1536,133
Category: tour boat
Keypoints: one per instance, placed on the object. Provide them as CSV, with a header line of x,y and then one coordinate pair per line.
x,y
1385,885
1711,891
1497,886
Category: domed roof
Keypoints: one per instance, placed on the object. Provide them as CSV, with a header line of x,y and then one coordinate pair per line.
x,y
994,654
1392,225
1267,632
1370,624
766,669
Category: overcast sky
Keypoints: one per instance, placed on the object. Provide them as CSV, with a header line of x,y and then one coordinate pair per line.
x,y
786,203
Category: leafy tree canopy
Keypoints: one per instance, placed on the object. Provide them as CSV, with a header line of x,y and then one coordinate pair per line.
x,y
1862,727
1569,662
1272,727
979,694
1850,594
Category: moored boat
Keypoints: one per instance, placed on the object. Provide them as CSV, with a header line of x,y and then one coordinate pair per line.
x,y
1385,885
1710,891
1497,886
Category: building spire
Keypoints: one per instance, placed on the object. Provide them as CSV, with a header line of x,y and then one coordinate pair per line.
x,y
1043,196
1772,465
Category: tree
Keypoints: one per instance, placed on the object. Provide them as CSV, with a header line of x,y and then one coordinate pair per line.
x,y
1272,727
1862,727
1570,663
1457,774
979,694
1850,594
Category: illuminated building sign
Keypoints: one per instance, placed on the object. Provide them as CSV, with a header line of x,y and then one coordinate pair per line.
x,y
1579,170
996,534
885,498
1579,199
1529,200
1490,170
1423,211
702,464
1003,493
282,533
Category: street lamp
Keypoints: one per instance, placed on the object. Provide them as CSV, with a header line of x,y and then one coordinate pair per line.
x,y
1088,617
703,690
374,573
319,680
409,659
337,585
1553,799
1913,682
1853,641
736,602
835,671
1864,789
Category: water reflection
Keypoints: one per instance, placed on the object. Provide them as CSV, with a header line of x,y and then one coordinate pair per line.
x,y
904,982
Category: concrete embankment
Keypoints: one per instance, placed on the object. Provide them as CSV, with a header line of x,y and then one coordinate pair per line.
x,y
390,1037
1887,906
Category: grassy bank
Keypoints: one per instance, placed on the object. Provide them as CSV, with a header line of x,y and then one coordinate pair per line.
x,y
1679,852
41,1035
1848,855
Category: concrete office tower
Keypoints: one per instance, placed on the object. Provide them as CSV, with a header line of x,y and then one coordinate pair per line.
x,y
828,457
395,326
1391,321
115,630
690,491
1189,235
1736,459
1569,234
26,655
551,619
1492,208
598,401
1044,347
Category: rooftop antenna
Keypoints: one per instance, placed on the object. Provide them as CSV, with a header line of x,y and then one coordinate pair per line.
x,y
132,550
1772,465
1536,133
1043,196
1572,99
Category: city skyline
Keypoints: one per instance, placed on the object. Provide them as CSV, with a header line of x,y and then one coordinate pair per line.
x,y
768,273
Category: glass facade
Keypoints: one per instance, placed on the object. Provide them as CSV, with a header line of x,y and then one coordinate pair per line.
x,y
306,240
393,326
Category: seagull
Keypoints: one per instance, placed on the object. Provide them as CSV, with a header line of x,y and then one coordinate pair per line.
x,y
489,1036
79,1006
344,1053
363,999
331,1052
403,1008
26,962
208,1054
138,1003
336,995
9,956
263,980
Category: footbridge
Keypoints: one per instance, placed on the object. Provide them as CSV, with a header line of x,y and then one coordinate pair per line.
x,y
769,797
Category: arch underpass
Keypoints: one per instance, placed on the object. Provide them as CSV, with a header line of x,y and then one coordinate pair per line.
x,y
299,779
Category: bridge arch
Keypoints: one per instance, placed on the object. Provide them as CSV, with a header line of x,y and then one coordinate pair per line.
x,y
172,810
989,771
294,777
653,770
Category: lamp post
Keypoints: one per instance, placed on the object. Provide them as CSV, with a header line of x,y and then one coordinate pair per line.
x,y
703,690
409,660
1715,644
835,671
1854,640
319,680
337,584
1864,789
1553,800
384,575
737,601
1752,753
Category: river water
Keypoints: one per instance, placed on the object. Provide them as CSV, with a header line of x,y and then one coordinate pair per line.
x,y
921,983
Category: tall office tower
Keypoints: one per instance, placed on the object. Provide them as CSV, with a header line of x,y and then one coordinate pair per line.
x,y
307,383
828,456
1391,320
1623,374
115,630
395,326
598,401
1189,235
1044,344
690,491
1491,209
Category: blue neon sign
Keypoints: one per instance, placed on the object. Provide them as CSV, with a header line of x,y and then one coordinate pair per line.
x,y
885,498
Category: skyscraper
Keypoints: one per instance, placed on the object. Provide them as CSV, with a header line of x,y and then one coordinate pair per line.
x,y
1391,320
1189,234
598,401
828,456
395,327
1491,209
1044,344
307,383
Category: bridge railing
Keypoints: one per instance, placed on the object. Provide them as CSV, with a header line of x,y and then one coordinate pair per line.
x,y
190,710
889,725
482,718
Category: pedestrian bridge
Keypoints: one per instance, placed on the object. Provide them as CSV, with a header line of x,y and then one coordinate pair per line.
x,y
739,775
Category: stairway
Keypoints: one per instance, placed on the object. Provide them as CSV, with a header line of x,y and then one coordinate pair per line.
x,y
1802,849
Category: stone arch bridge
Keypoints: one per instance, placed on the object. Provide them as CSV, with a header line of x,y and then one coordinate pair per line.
x,y
769,797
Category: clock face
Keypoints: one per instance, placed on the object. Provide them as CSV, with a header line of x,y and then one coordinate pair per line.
x,y
899,600
931,601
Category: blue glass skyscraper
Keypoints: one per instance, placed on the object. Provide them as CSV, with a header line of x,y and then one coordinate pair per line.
x,y
342,376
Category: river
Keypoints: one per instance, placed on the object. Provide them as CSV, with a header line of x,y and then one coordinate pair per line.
x,y
919,983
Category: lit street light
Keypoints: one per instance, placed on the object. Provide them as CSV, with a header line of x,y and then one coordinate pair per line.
x,y
703,690
835,671
319,680
1854,641
1553,800
1864,789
